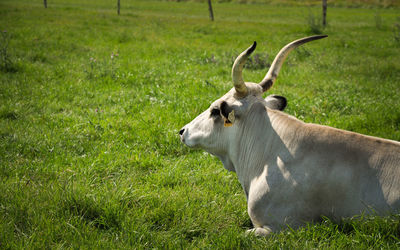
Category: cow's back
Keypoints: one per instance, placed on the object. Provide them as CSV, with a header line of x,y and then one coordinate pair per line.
x,y
370,165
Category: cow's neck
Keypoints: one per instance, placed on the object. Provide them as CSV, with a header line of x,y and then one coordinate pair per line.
x,y
264,137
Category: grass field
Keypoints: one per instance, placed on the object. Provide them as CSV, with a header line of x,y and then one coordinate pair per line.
x,y
91,104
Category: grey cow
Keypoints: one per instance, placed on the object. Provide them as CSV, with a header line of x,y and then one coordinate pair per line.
x,y
293,172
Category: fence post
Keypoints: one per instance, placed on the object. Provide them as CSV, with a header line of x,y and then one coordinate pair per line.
x,y
210,10
119,6
324,7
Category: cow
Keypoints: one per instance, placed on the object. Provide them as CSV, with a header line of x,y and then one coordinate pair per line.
x,y
294,172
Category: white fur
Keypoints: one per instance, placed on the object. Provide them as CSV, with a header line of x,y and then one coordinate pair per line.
x,y
293,172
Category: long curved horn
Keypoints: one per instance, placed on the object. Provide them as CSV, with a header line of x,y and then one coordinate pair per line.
x,y
238,83
273,71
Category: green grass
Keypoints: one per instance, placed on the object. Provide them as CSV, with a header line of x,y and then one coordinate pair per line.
x,y
89,152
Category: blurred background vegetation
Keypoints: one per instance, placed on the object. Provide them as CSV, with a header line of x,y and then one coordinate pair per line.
x,y
337,3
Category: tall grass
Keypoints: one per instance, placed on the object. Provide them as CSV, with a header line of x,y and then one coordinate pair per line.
x,y
89,152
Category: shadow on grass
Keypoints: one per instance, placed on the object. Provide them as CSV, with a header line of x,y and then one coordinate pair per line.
x,y
91,211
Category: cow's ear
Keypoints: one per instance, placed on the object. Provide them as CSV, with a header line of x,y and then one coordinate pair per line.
x,y
276,102
228,114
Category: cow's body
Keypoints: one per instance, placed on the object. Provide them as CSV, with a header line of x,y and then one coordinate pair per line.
x,y
293,172
308,170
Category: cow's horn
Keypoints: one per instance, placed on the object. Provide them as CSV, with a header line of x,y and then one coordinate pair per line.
x,y
273,71
240,86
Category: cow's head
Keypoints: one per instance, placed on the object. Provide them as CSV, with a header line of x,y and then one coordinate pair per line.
x,y
225,120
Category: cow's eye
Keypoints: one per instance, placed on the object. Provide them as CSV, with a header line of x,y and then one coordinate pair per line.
x,y
215,112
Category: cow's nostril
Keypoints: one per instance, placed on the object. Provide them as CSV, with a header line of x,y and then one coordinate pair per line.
x,y
181,131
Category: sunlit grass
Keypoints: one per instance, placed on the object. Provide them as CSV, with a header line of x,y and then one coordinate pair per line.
x,y
89,152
